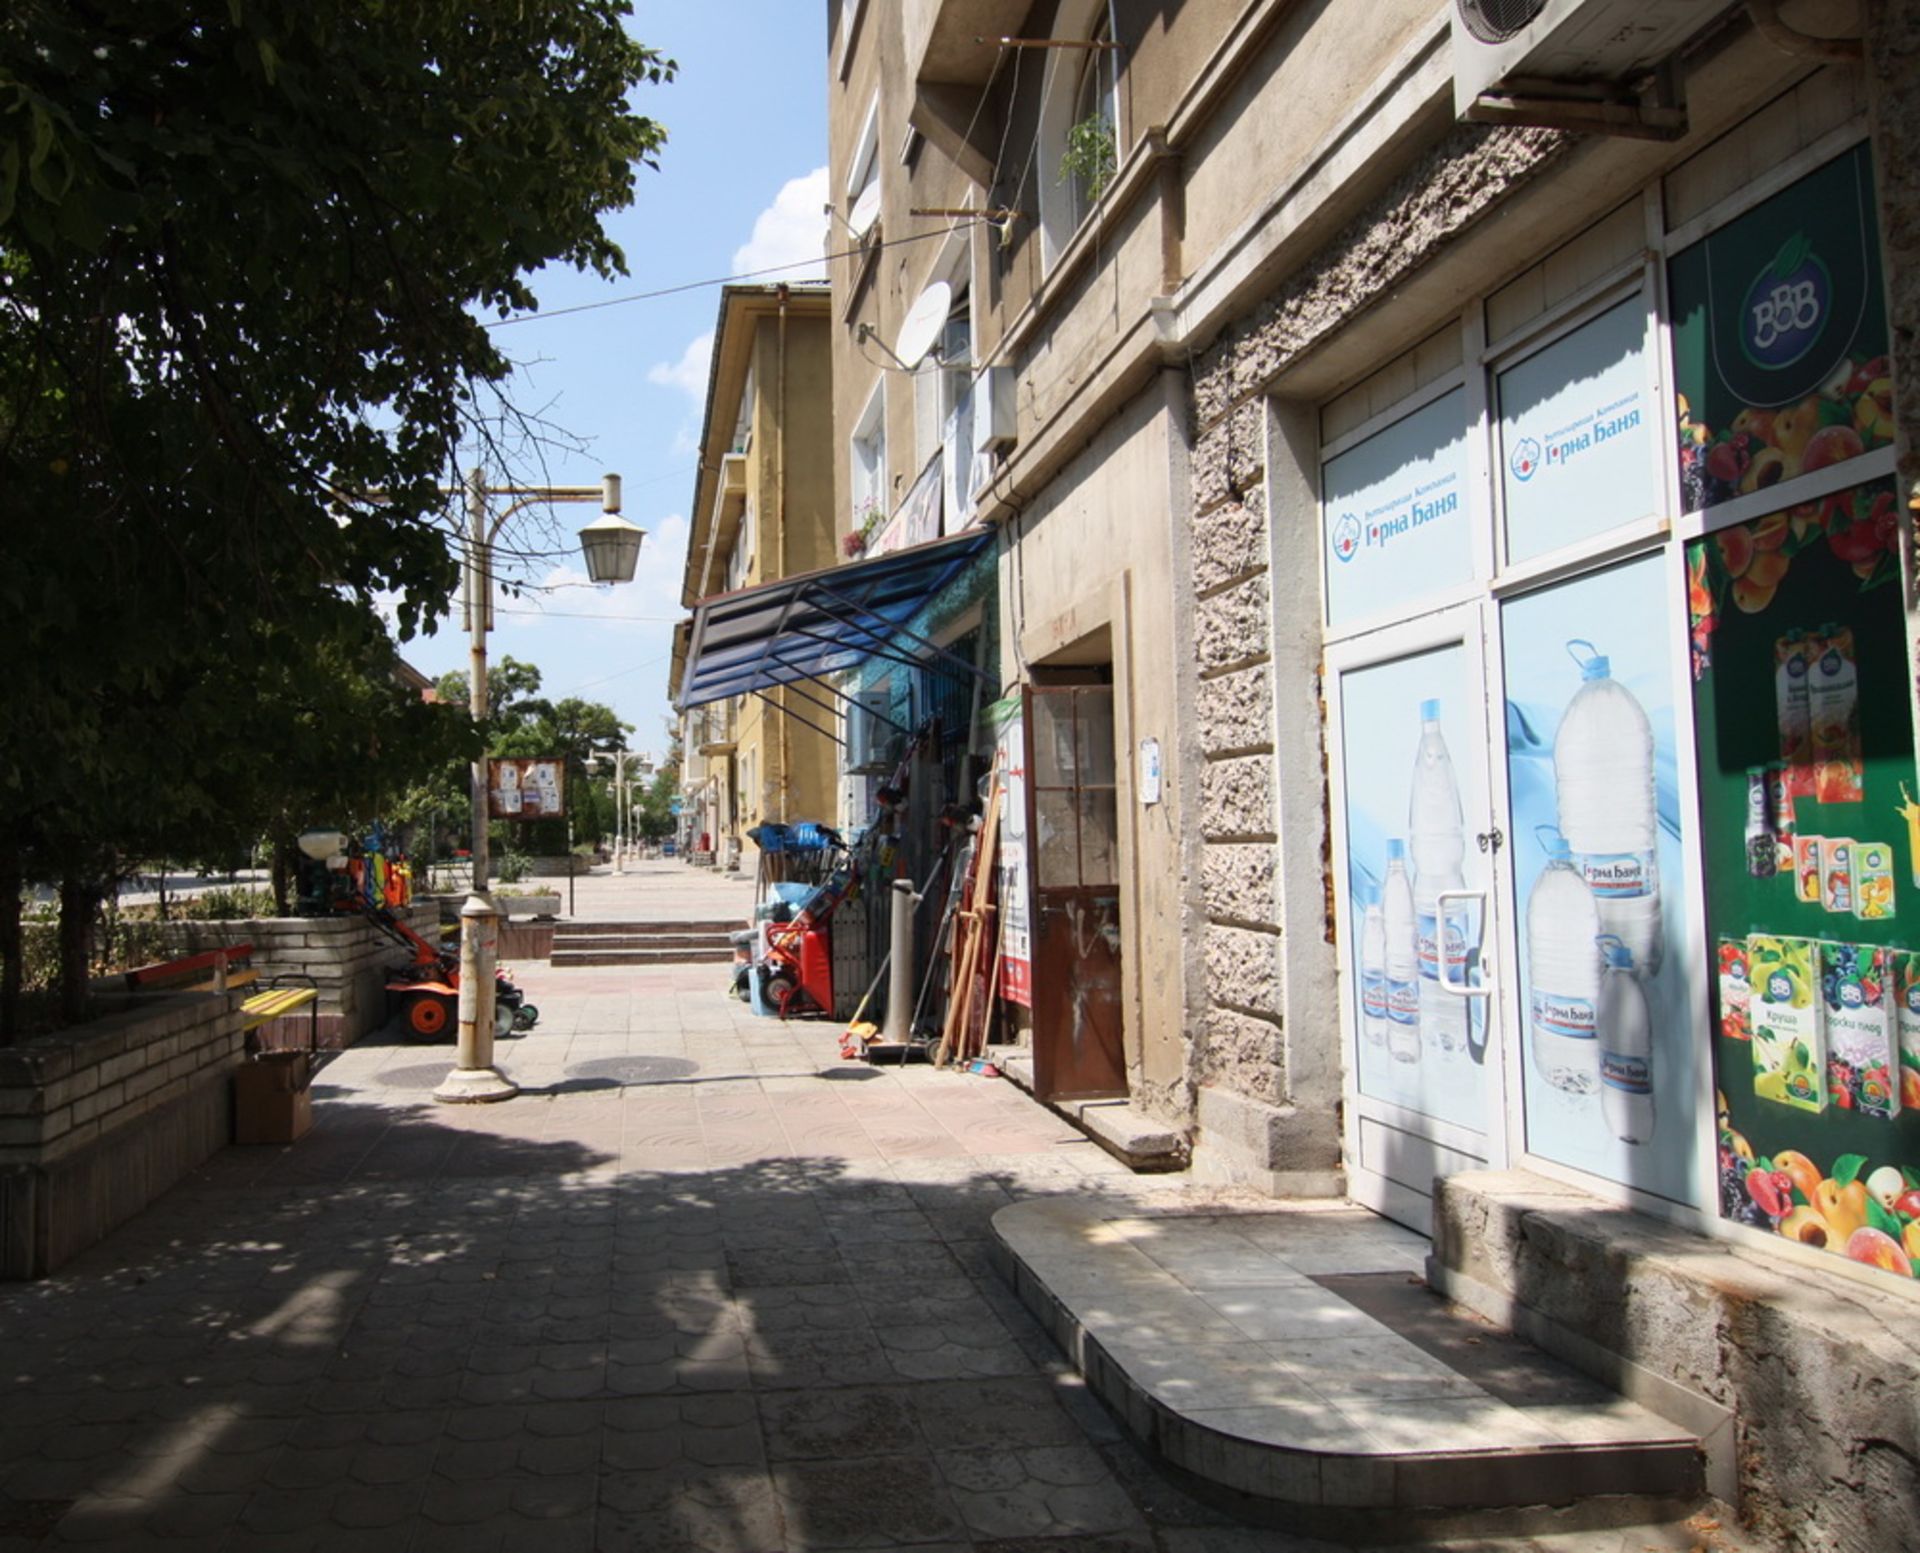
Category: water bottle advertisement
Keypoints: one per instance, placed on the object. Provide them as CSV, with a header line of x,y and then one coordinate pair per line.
x,y
1420,1046
1811,835
1611,1057
1395,513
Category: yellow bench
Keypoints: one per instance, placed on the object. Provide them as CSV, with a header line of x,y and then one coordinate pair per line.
x,y
227,969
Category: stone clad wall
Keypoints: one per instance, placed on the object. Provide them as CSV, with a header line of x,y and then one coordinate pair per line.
x,y
97,1122
1265,1053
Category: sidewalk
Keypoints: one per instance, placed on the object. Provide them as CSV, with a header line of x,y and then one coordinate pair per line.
x,y
659,889
700,1286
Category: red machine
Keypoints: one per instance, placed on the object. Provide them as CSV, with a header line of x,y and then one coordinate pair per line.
x,y
429,985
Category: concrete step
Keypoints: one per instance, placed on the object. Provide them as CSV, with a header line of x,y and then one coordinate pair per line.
x,y
561,957
1292,1365
706,925
643,941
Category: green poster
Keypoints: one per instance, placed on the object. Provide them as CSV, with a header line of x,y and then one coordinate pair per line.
x,y
1807,824
1780,338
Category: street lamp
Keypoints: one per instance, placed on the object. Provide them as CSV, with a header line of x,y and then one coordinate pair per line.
x,y
622,819
612,548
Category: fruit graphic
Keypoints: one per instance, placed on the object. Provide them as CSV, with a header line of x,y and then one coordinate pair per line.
x,y
1910,1239
1907,1204
1741,1147
1771,1191
1910,1089
1751,422
1794,428
1806,1226
1736,549
1843,1207
1873,411
1878,1249
1803,1172
1769,467
1886,1186
1830,445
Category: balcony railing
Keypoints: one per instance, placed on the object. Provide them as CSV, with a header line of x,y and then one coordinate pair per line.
x,y
715,728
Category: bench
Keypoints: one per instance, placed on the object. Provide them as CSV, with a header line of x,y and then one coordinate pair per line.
x,y
227,969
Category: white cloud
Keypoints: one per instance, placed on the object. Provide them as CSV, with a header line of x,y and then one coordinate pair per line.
x,y
689,373
791,232
651,599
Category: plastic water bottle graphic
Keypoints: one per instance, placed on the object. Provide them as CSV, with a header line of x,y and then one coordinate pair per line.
x,y
1373,970
1563,972
1402,957
1626,1046
1438,843
1603,781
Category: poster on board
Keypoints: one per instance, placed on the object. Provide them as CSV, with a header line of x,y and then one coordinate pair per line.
x,y
1780,347
1576,435
1406,800
1611,1063
1810,817
1394,513
526,789
1014,883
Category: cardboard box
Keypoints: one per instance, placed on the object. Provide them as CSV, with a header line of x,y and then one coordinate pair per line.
x,y
272,1102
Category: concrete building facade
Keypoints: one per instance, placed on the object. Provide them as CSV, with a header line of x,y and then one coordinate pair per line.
x,y
762,510
1378,405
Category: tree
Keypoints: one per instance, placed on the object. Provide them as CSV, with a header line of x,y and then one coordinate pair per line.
x,y
245,250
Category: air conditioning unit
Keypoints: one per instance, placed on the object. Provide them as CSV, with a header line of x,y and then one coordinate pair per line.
x,y
869,734
1594,65
993,410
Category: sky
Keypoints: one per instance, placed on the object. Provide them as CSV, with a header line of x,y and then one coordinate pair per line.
x,y
741,186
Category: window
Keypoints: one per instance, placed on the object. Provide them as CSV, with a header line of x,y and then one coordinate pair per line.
x,y
869,462
1079,123
863,174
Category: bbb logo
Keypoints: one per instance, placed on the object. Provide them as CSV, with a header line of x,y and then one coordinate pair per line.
x,y
1525,462
1346,536
1850,995
1785,305
1779,989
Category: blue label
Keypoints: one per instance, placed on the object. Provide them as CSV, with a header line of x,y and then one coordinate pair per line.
x,y
1629,1075
1785,306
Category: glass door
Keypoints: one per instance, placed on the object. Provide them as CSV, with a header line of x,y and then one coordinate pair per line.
x,y
1415,850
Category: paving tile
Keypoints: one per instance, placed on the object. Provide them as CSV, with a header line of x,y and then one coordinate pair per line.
x,y
844,1422
854,1503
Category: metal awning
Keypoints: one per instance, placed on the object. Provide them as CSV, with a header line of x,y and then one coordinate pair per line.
x,y
820,623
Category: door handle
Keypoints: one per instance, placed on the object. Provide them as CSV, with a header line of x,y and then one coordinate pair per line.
x,y
1460,989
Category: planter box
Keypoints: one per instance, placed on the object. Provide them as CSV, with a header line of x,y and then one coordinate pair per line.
x,y
528,905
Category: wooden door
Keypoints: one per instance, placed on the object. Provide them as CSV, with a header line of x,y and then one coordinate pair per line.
x,y
1074,847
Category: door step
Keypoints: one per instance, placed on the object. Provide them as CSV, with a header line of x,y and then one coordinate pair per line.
x,y
643,943
1293,1366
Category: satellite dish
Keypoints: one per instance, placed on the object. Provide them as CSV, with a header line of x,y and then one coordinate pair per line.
x,y
866,210
924,321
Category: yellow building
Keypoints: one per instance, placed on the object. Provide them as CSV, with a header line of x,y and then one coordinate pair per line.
x,y
762,510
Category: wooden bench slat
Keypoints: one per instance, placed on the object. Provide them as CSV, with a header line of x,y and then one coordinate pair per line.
x,y
206,960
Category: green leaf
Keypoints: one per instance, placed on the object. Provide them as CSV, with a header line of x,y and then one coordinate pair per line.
x,y
1882,1220
1847,1168
9,179
269,60
1793,253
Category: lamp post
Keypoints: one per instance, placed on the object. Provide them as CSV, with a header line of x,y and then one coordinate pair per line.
x,y
622,812
612,547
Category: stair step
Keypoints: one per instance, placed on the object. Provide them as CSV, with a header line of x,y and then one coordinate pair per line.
x,y
561,957
705,925
644,941
1293,1364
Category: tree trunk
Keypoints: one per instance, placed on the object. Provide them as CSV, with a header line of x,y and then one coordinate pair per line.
x,y
11,944
79,900
283,866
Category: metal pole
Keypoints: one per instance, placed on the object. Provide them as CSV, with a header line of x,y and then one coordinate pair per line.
x,y
899,1025
474,1078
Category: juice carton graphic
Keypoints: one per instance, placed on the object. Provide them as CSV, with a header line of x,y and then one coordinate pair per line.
x,y
1736,1009
1904,974
1789,1054
1873,880
1836,875
1780,801
1806,868
1793,658
1863,1066
1833,704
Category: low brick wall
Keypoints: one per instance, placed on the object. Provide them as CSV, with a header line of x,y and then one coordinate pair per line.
x,y
348,959
1803,1384
98,1121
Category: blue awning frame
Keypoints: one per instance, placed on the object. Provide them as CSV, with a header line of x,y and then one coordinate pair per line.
x,y
800,629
